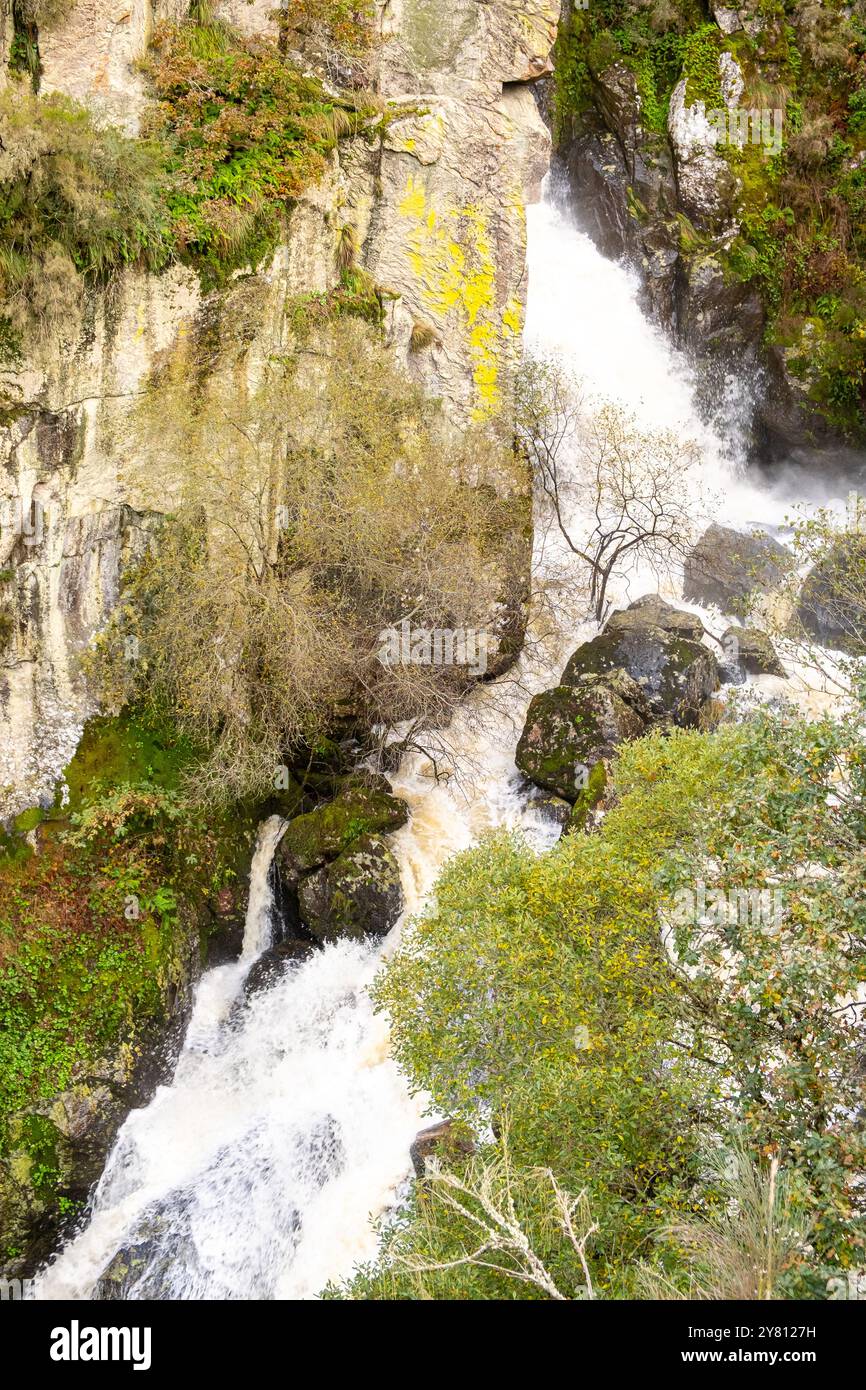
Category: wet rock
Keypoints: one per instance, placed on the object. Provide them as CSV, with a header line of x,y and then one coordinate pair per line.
x,y
569,731
727,566
440,1140
553,809
652,610
832,604
748,652
272,965
362,807
357,895
675,673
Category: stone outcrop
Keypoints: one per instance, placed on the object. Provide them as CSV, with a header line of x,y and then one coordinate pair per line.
x,y
569,731
748,652
435,194
831,612
681,203
647,666
357,895
726,567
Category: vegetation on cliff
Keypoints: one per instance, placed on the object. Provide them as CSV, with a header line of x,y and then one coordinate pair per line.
x,y
101,934
800,211
307,520
235,133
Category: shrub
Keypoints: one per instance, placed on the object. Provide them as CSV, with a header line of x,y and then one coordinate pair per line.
x,y
78,202
306,519
247,133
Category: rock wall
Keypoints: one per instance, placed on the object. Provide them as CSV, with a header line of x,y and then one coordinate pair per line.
x,y
707,147
436,195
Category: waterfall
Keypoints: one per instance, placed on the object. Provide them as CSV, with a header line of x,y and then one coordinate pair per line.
x,y
286,1129
259,924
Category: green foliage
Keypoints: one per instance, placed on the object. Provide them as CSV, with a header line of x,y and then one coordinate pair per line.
x,y
701,54
802,214
92,925
538,992
247,133
78,201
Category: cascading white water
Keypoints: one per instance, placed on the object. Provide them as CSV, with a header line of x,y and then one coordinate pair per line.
x,y
286,1128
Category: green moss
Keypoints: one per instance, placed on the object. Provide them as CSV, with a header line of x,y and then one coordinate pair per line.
x,y
701,54
329,830
588,799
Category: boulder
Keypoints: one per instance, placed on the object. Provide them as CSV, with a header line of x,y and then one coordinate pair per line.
x,y
357,895
362,807
652,610
727,566
748,652
832,605
272,965
569,731
444,1138
675,673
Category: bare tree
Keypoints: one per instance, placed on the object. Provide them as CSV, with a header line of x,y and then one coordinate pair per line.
x,y
334,555
484,1203
618,493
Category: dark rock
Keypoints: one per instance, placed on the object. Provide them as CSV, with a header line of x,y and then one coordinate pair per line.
x,y
357,895
832,605
445,1138
727,566
569,731
273,964
553,809
675,673
749,652
721,315
362,807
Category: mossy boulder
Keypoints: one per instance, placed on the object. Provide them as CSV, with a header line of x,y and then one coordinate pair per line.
x,y
357,895
652,611
675,673
570,730
362,807
727,566
749,652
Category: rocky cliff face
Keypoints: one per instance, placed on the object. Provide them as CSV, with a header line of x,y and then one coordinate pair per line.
x,y
721,150
435,194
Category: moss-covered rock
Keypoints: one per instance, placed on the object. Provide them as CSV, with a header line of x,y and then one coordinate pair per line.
x,y
362,807
675,673
568,731
357,895
749,652
723,154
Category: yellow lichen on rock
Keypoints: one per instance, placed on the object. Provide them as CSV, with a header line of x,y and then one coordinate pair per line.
x,y
452,258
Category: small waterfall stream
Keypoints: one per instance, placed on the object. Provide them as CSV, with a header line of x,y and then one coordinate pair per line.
x,y
286,1129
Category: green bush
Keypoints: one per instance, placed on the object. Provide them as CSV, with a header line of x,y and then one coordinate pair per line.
x,y
619,1043
78,201
247,132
